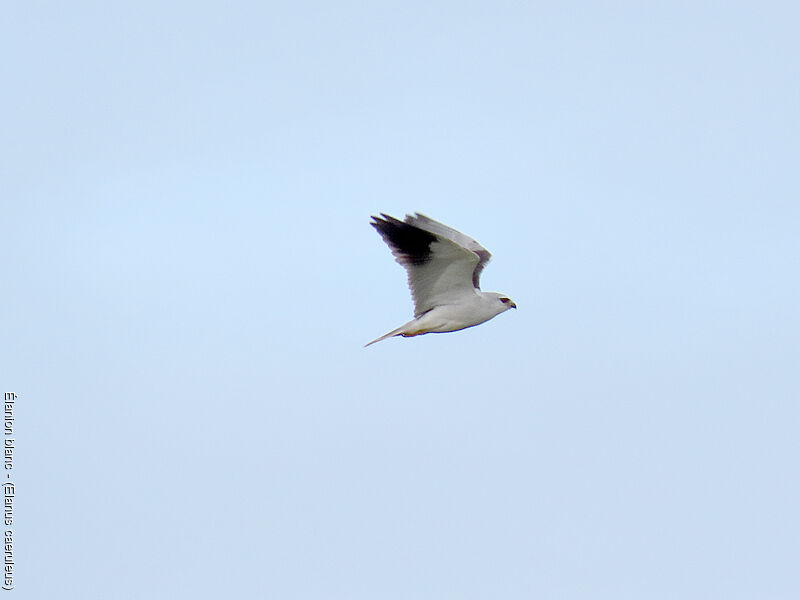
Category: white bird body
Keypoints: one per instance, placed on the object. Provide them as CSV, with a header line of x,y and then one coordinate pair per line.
x,y
444,268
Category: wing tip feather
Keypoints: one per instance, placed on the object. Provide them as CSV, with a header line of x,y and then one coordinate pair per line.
x,y
408,242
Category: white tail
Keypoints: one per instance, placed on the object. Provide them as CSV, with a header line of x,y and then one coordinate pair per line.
x,y
383,337
399,331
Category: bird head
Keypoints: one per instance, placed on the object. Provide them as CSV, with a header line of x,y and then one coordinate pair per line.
x,y
503,301
508,302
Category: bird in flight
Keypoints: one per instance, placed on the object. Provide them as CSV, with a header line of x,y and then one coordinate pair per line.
x,y
444,268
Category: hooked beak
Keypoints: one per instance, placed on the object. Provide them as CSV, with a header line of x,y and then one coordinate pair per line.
x,y
512,305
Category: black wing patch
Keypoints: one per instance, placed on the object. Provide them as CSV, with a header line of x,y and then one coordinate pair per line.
x,y
410,243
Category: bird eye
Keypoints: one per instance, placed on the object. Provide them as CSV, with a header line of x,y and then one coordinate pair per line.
x,y
505,300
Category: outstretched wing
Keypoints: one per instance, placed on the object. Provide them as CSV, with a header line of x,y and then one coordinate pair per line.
x,y
442,268
428,224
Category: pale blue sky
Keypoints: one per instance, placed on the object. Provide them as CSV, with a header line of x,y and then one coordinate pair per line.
x,y
190,277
